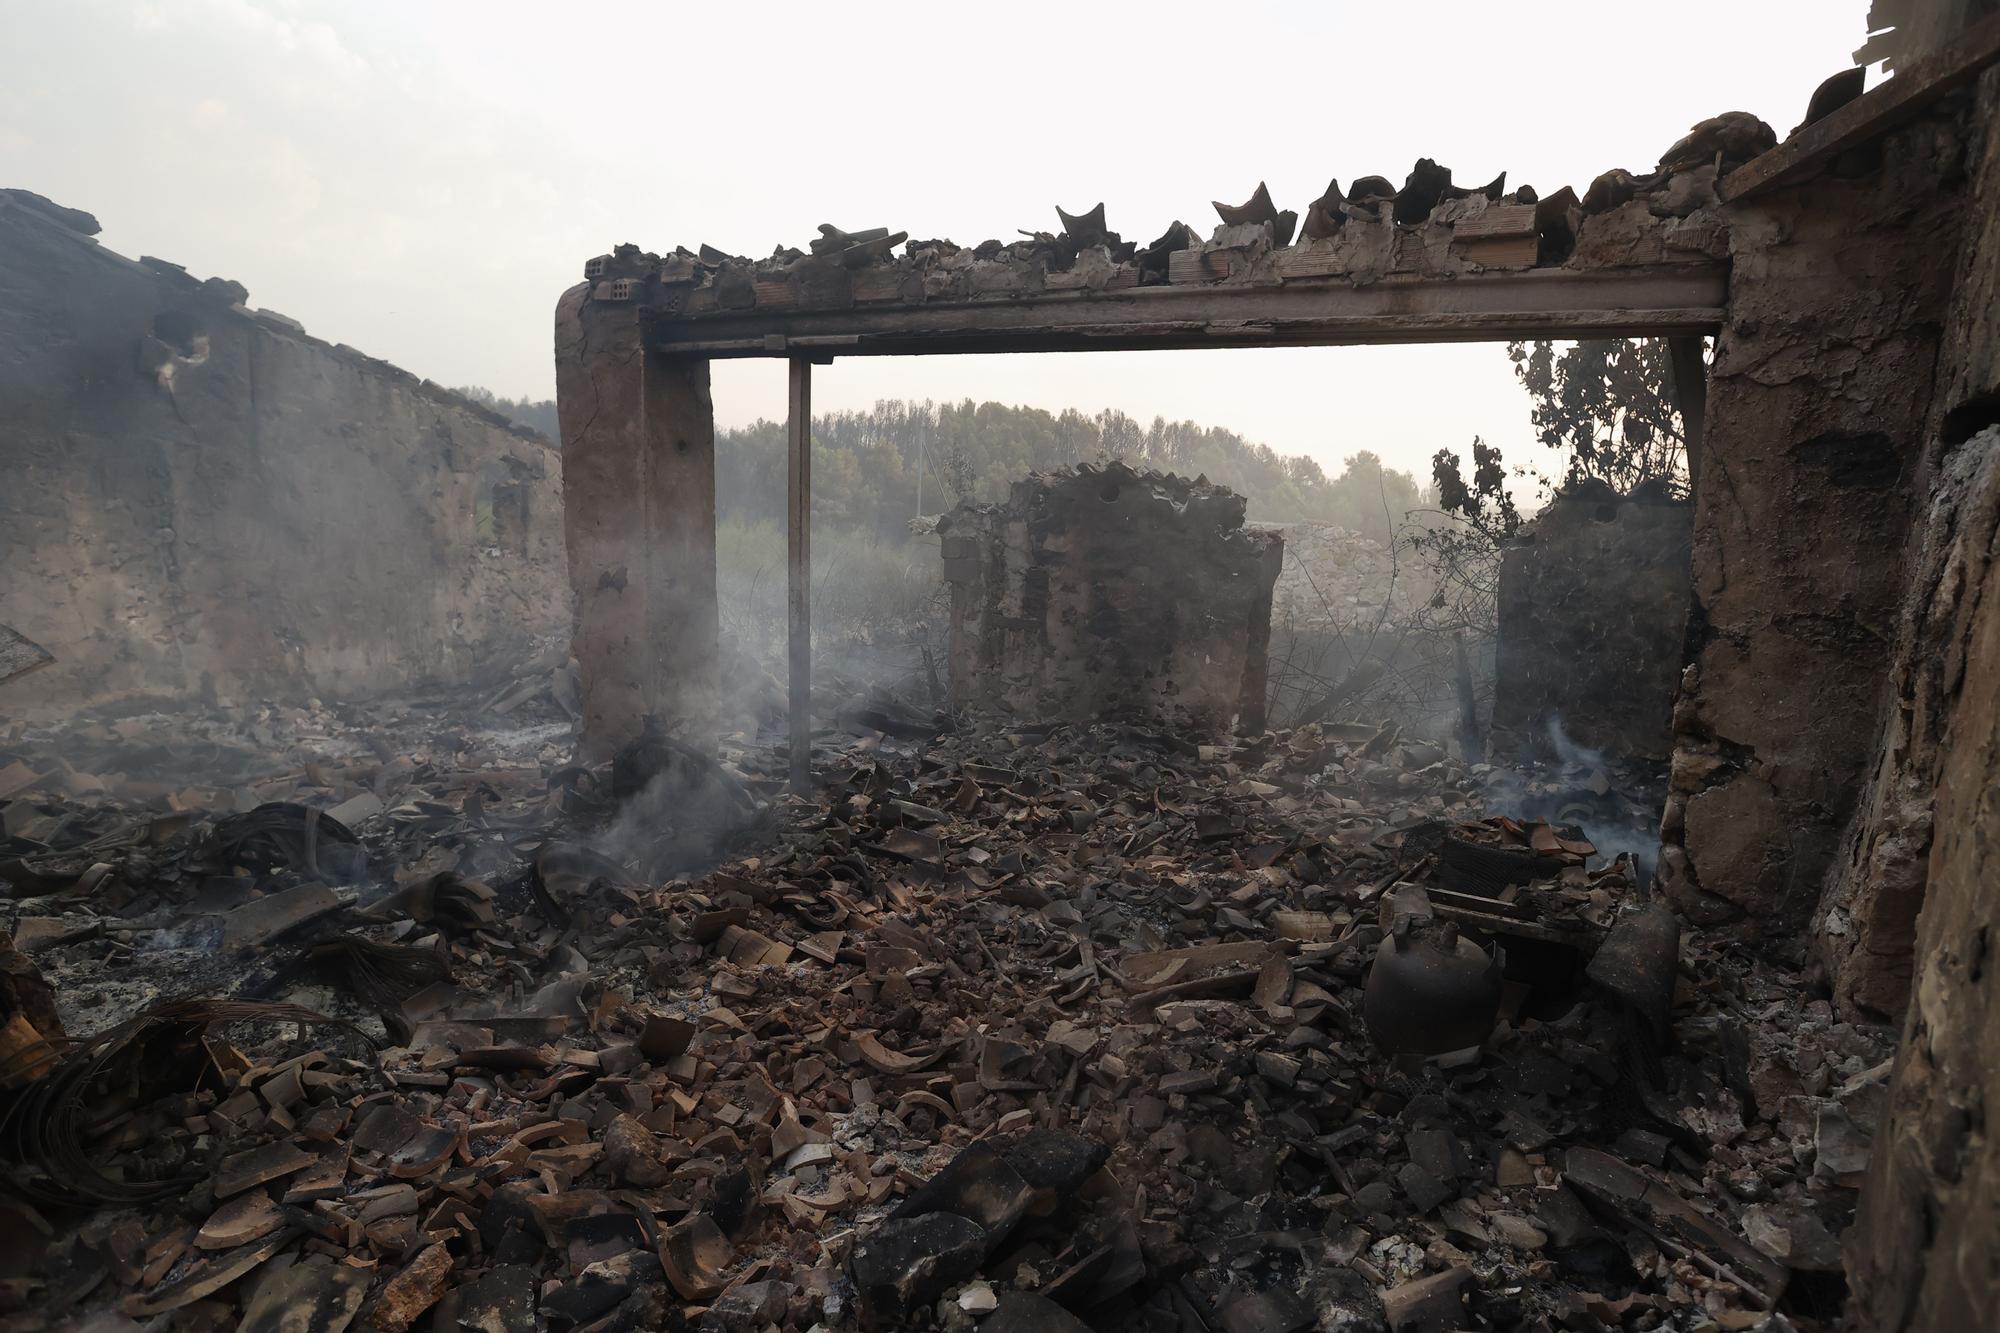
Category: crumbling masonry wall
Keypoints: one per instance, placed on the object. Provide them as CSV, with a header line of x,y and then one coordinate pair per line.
x,y
1592,615
1867,925
1101,592
638,450
1817,399
1635,255
197,499
1926,1249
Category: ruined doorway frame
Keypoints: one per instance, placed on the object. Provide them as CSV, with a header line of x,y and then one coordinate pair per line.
x,y
639,446
1681,302
1688,387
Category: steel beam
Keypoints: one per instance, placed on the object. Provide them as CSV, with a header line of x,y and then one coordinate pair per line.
x,y
1668,300
798,523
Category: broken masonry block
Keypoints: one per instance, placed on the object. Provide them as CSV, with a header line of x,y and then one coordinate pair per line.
x,y
1048,1159
1025,1312
908,1262
979,1185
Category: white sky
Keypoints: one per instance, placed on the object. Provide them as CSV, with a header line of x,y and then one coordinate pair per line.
x,y
422,180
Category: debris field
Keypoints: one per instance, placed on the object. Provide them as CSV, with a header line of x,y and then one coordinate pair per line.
x,y
402,1024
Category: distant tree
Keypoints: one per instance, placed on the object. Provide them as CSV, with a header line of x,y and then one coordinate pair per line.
x,y
1609,406
878,468
1481,500
959,475
1606,407
1372,499
538,416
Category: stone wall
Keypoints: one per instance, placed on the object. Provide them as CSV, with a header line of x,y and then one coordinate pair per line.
x,y
198,500
1104,592
638,453
1867,924
1926,1250
1812,473
1926,1254
1592,620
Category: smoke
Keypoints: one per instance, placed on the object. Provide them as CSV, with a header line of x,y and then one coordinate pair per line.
x,y
198,933
1569,754
1640,842
678,809
878,619
1617,804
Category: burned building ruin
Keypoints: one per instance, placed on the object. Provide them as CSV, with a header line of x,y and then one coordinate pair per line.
x,y
1092,1001
1822,477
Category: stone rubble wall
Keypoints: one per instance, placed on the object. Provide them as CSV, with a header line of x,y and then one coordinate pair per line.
x,y
1337,580
1809,484
1866,927
1592,617
638,461
1369,231
199,500
1104,592
1925,1253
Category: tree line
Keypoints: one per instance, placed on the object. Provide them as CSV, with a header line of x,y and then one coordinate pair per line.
x,y
1605,409
877,469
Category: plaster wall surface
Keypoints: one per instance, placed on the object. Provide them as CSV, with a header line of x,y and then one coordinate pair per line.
x,y
196,500
638,449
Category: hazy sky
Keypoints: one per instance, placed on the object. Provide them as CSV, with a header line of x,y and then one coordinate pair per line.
x,y
422,180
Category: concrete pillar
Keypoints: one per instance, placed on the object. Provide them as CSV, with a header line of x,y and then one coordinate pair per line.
x,y
638,448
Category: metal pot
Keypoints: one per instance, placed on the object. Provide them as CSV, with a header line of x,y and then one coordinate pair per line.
x,y
1430,989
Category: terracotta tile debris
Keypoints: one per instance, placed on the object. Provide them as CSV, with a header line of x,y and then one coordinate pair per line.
x,y
1024,1026
1432,226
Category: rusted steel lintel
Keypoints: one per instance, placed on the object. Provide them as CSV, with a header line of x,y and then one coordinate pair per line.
x,y
1629,324
1670,300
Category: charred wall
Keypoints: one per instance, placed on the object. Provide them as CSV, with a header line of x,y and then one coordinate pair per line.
x,y
1102,592
1592,615
638,451
1866,929
1817,401
1927,1247
199,499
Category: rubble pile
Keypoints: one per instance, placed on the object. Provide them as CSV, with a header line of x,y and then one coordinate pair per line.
x,y
1014,1027
1371,229
1336,579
